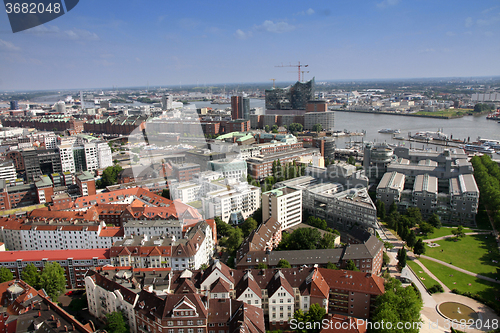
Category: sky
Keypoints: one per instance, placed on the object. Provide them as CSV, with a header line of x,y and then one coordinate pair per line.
x,y
111,43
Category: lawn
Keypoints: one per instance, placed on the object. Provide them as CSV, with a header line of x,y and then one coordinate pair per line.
x,y
427,280
461,281
448,113
443,231
471,253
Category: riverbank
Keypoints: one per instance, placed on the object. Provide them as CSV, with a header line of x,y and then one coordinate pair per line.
x,y
442,114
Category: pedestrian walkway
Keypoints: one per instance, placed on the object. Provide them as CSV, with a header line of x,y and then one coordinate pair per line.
x,y
460,269
450,236
445,288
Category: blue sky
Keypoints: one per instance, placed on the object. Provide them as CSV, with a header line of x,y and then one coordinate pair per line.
x,y
130,43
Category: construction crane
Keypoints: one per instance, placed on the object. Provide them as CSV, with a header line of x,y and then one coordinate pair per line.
x,y
299,66
303,77
273,81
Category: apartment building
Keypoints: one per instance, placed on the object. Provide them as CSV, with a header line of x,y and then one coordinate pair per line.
x,y
455,201
326,119
390,188
284,205
260,167
157,227
272,295
57,233
8,171
233,201
230,168
67,158
75,263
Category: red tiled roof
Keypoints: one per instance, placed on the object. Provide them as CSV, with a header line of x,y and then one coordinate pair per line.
x,y
355,281
111,232
11,256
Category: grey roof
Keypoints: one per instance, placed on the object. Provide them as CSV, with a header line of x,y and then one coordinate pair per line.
x,y
362,251
300,257
426,183
463,184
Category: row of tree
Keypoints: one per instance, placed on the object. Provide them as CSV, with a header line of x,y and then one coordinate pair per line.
x,y
51,279
487,175
109,176
306,239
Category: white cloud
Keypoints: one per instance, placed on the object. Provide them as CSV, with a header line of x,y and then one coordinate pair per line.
x,y
138,59
450,33
387,3
107,55
426,51
8,46
80,34
469,22
240,34
489,21
310,11
43,29
278,27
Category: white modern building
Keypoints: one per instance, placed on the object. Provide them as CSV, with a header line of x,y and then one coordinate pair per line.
x,y
233,201
104,155
154,228
8,171
283,204
67,158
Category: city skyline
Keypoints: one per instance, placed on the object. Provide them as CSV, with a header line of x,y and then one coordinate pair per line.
x,y
132,44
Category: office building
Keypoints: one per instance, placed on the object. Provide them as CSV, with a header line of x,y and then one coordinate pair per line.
x,y
14,105
240,108
167,102
290,98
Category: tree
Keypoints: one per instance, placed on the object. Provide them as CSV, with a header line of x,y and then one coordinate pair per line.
x,y
351,266
329,265
397,305
310,318
458,232
381,212
261,265
116,323
411,239
435,221
386,260
327,242
402,257
223,228
52,280
317,128
136,158
31,276
426,228
316,222
266,128
393,208
419,247
203,267
234,239
165,193
275,127
284,264
249,225
300,239
295,127
5,275
351,160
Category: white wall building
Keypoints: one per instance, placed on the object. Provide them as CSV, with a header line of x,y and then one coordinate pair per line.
x,y
104,156
283,204
153,228
104,297
57,236
67,158
8,171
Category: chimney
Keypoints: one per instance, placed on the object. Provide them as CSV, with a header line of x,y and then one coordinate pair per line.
x,y
72,327
58,323
52,318
65,328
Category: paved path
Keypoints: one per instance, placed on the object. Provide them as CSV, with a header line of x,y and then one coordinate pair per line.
x,y
450,236
433,322
446,289
460,269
